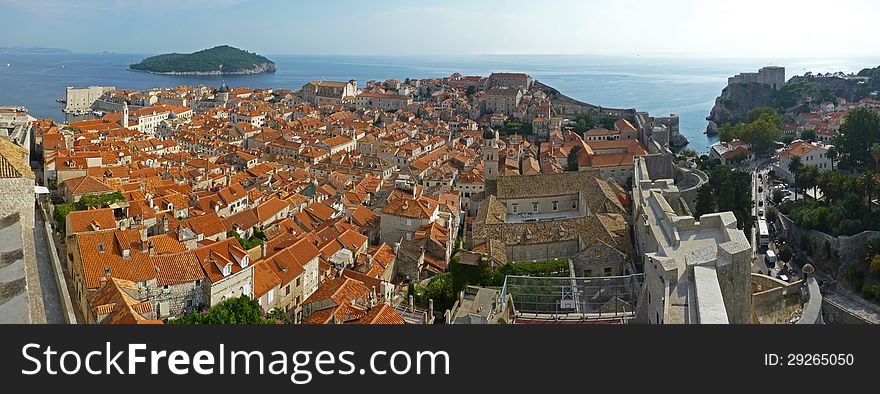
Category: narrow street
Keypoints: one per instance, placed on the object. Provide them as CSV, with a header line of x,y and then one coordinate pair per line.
x,y
758,265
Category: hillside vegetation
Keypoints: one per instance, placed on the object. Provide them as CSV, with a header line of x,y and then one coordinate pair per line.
x,y
219,60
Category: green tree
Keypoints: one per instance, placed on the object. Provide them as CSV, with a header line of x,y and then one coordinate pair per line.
x,y
832,155
859,131
706,202
810,178
278,315
808,135
785,253
763,129
875,154
778,195
870,184
871,256
794,166
572,159
733,192
738,157
84,203
239,310
584,123
442,290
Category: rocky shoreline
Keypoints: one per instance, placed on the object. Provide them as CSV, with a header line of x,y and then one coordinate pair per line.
x,y
260,69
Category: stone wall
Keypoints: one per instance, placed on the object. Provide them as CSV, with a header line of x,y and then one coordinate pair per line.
x,y
231,286
831,255
542,251
834,313
175,301
17,197
689,181
774,301
598,258
394,228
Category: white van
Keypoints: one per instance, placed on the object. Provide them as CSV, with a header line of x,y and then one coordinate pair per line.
x,y
770,259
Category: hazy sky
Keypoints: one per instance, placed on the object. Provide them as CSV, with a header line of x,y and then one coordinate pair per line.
x,y
421,27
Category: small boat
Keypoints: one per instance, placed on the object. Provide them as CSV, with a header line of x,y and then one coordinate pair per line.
x,y
61,100
62,66
8,65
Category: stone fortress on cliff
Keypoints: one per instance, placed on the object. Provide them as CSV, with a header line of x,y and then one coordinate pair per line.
x,y
772,76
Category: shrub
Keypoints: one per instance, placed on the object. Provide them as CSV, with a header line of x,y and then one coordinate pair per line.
x,y
874,268
239,310
871,291
785,253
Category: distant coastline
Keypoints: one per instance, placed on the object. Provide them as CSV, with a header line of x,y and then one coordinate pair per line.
x,y
32,50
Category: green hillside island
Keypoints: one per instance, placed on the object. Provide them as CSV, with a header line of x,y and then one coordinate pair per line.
x,y
220,60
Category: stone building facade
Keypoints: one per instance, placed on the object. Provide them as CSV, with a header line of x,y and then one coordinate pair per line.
x,y
20,292
81,99
772,76
555,216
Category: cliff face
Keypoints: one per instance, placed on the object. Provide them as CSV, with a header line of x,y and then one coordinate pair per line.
x,y
737,100
257,69
800,94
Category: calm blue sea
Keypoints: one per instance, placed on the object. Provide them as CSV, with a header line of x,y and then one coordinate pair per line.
x,y
685,86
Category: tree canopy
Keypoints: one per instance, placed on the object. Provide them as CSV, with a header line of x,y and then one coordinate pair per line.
x,y
846,207
224,58
572,159
761,131
85,202
859,131
727,190
239,310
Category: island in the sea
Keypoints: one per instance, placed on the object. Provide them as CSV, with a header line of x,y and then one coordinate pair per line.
x,y
220,60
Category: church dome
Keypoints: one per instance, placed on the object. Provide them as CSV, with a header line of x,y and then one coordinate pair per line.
x,y
489,134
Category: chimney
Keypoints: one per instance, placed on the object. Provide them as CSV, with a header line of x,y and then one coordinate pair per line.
x,y
411,302
373,298
369,262
263,248
152,248
431,307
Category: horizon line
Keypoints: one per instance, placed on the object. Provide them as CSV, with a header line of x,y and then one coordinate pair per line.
x,y
689,55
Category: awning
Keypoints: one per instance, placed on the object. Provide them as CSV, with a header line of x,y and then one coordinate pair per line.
x,y
41,189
